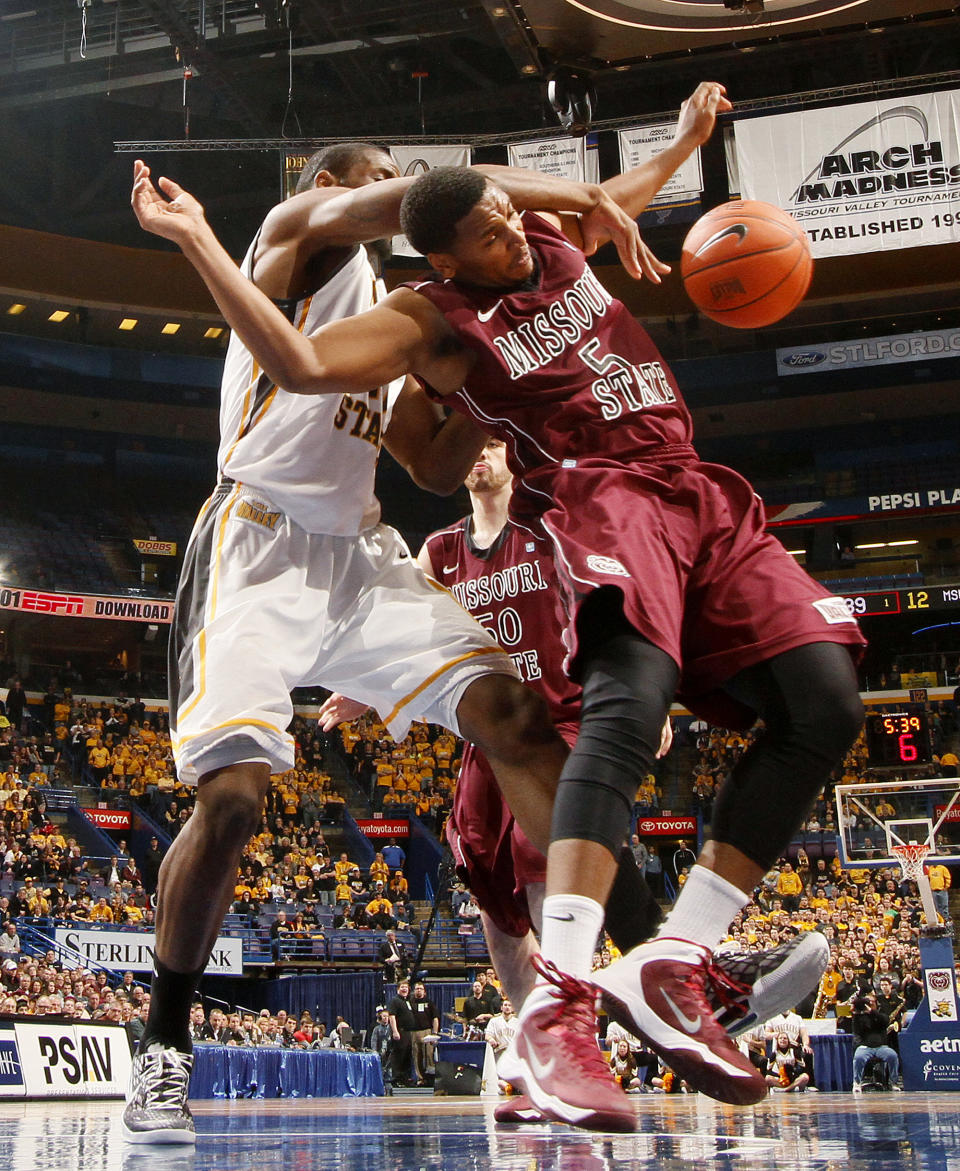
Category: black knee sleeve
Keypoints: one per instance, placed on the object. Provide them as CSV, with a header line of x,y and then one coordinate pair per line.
x,y
812,713
627,687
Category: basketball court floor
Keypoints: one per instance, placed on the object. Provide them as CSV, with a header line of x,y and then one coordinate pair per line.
x,y
878,1131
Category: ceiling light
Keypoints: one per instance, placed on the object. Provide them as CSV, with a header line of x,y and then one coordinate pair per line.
x,y
59,315
913,542
797,552
16,309
171,327
128,323
874,545
214,331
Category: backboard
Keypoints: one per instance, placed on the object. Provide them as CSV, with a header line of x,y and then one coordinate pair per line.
x,y
874,816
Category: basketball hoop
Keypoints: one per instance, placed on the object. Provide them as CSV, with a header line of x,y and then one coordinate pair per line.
x,y
911,856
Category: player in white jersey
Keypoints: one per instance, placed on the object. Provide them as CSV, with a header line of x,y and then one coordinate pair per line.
x,y
289,579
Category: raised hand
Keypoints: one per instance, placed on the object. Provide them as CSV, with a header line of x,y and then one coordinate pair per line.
x,y
170,212
698,114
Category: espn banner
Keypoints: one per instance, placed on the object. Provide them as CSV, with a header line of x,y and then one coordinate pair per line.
x,y
154,548
41,1059
640,145
417,160
869,177
86,605
132,951
564,158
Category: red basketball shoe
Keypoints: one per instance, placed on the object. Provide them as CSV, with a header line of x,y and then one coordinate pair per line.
x,y
662,992
559,1064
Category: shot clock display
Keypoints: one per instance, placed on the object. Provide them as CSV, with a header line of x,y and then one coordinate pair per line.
x,y
898,739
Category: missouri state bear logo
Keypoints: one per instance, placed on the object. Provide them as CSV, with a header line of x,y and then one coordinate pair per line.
x,y
607,565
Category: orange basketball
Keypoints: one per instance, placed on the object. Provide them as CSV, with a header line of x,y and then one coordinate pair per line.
x,y
746,264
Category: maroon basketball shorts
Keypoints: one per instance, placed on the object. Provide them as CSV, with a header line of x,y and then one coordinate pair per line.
x,y
686,545
493,855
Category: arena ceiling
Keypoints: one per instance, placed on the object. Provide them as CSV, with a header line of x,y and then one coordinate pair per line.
x,y
78,75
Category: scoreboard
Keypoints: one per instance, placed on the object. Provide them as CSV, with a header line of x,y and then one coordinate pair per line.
x,y
898,739
918,600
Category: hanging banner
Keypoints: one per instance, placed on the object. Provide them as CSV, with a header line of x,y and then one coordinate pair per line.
x,y
643,143
565,158
869,177
417,160
86,605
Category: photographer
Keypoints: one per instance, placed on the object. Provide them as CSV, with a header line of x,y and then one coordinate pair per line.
x,y
871,1029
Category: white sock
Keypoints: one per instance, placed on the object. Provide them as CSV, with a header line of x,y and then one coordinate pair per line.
x,y
704,910
571,924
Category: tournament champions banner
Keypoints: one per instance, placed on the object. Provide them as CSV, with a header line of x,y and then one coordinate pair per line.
x,y
415,160
564,158
869,177
682,191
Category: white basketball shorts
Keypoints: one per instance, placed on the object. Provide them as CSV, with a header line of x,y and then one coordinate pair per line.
x,y
264,606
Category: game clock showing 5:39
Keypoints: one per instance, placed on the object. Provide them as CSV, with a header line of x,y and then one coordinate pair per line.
x,y
898,739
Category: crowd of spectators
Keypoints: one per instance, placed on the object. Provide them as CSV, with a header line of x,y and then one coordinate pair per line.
x,y
417,774
288,876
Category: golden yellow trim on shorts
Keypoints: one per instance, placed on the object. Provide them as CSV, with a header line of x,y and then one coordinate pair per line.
x,y
233,724
216,560
202,636
202,687
440,671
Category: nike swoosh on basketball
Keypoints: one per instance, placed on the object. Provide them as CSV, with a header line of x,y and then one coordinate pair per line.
x,y
689,1026
486,314
738,230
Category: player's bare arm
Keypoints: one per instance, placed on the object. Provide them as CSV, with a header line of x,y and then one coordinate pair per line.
x,y
396,338
298,231
437,451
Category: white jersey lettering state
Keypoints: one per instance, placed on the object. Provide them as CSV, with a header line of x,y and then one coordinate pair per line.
x,y
312,456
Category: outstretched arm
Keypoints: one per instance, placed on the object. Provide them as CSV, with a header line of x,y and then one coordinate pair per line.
x,y
353,355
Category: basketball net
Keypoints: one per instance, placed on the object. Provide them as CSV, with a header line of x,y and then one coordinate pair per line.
x,y
911,856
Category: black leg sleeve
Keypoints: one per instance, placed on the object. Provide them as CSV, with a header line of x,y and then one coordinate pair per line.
x,y
811,710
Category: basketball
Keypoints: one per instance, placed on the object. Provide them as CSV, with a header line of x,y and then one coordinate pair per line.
x,y
746,264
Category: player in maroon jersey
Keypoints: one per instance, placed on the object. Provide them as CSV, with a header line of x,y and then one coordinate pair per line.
x,y
668,580
504,576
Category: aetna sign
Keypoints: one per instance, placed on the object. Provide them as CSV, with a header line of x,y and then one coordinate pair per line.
x,y
666,826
